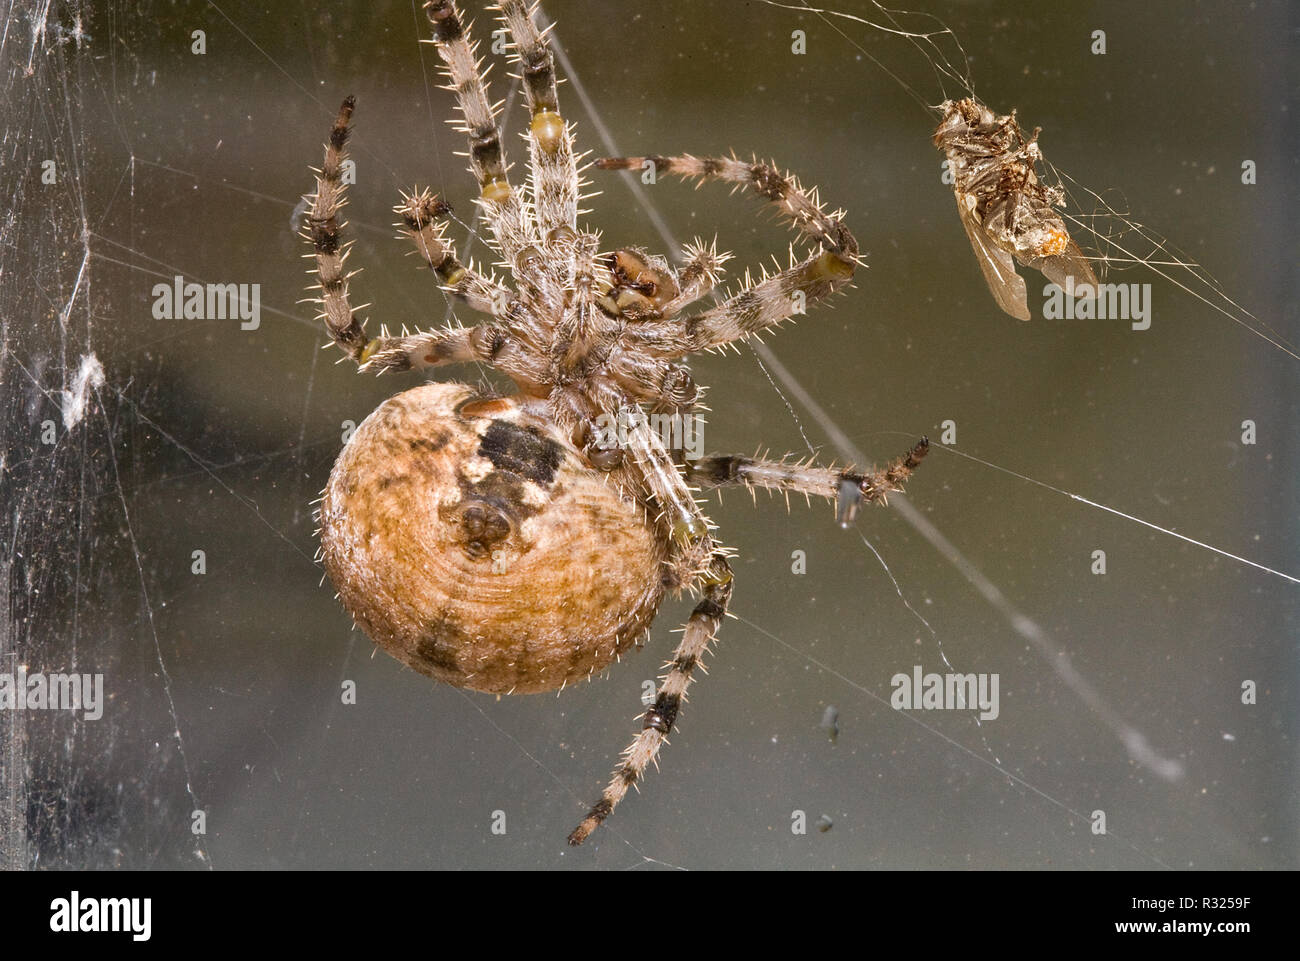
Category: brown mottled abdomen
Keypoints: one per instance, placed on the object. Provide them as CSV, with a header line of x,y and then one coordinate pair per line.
x,y
472,542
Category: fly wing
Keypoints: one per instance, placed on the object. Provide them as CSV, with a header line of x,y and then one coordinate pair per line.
x,y
1066,265
1007,287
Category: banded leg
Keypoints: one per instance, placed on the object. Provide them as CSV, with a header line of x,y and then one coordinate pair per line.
x,y
325,232
484,343
764,304
848,488
657,722
489,344
758,307
696,560
423,225
511,225
554,167
797,205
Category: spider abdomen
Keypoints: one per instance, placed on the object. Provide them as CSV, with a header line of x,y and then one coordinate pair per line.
x,y
474,543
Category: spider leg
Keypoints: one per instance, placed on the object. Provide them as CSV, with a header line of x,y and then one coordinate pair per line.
x,y
488,343
503,207
423,225
847,487
652,466
325,231
706,562
664,384
797,205
658,720
760,305
772,299
698,275
581,325
550,138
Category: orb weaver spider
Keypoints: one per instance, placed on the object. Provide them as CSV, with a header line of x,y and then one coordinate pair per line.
x,y
515,544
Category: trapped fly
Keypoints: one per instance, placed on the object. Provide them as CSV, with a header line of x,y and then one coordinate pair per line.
x,y
1006,210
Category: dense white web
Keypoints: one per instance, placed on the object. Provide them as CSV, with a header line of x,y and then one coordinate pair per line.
x,y
130,442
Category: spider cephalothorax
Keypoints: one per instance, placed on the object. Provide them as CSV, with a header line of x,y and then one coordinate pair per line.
x,y
504,543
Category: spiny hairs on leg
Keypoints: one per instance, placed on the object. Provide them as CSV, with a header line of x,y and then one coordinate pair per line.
x,y
799,206
325,234
487,157
503,208
695,560
658,721
488,344
765,303
422,223
554,168
847,487
701,270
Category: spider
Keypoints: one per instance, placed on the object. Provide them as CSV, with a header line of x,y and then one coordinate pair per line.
x,y
504,543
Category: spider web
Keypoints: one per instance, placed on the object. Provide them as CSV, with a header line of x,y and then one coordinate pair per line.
x,y
174,436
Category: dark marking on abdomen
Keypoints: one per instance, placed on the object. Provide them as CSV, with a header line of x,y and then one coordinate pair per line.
x,y
437,649
525,451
